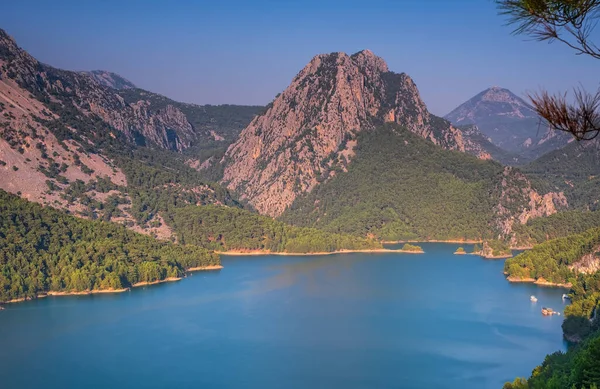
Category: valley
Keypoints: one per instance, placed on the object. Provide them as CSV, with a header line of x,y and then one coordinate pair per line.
x,y
105,187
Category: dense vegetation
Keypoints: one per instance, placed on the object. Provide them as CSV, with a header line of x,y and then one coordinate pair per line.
x,y
412,247
561,224
402,187
224,228
159,181
43,250
496,248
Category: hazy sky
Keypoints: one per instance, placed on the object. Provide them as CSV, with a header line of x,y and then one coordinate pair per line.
x,y
245,52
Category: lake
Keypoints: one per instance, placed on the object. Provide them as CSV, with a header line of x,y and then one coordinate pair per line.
x,y
422,321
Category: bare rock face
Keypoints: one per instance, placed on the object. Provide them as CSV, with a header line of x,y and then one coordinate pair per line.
x,y
312,125
589,263
519,202
81,93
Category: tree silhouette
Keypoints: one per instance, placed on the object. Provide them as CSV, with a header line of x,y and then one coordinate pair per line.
x,y
572,23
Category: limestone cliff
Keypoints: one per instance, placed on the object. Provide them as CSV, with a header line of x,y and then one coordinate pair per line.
x,y
589,263
308,131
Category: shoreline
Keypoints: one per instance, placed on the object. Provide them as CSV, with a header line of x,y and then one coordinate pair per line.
x,y
204,268
256,253
109,291
504,256
458,241
452,241
539,282
146,283
64,293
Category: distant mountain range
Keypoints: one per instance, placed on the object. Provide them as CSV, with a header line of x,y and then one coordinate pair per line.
x,y
509,123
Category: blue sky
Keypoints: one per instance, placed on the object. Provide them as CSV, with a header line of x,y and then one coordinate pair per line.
x,y
245,52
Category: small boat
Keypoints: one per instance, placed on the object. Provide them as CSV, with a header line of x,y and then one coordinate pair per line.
x,y
565,296
549,312
533,299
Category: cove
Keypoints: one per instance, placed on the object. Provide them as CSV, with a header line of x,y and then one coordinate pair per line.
x,y
434,320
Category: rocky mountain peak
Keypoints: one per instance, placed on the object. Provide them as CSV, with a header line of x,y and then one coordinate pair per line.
x,y
307,133
8,46
503,95
369,62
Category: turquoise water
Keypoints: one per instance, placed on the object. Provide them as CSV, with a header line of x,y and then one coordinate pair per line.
x,y
435,320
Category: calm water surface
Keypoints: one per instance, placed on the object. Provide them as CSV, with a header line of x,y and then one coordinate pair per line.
x,y
435,320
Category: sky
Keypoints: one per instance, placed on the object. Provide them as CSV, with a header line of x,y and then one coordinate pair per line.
x,y
245,52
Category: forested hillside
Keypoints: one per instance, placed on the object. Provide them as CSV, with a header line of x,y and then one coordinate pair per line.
x,y
223,229
559,225
558,260
400,186
43,250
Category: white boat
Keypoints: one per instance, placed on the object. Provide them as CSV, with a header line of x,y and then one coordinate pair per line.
x,y
565,296
533,298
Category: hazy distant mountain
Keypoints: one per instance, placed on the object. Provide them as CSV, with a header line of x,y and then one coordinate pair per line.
x,y
509,123
110,79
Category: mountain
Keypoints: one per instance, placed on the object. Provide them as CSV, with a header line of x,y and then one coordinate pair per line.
x,y
110,79
131,156
72,143
308,133
215,126
509,123
70,95
400,186
59,147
